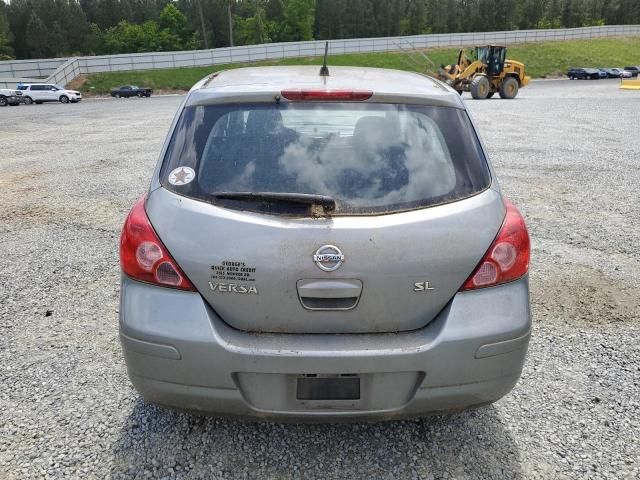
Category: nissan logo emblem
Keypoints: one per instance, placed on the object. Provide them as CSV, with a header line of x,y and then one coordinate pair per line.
x,y
328,258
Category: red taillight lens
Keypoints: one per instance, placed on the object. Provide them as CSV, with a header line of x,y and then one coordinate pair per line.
x,y
327,95
144,257
508,257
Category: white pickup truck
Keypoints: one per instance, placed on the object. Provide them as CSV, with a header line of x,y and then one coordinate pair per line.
x,y
9,97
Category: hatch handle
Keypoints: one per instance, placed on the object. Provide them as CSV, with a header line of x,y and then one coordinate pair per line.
x,y
334,288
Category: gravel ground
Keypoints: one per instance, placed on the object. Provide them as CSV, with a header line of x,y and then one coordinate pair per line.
x,y
568,153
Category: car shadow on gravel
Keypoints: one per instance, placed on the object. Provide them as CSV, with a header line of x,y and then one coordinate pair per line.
x,y
159,443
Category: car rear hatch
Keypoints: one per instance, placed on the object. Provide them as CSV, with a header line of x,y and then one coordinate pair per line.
x,y
332,218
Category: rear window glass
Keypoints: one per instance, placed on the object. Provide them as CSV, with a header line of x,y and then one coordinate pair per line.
x,y
370,158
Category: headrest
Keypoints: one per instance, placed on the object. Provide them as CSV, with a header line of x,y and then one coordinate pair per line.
x,y
373,133
263,121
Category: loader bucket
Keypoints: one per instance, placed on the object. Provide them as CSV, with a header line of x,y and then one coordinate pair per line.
x,y
630,84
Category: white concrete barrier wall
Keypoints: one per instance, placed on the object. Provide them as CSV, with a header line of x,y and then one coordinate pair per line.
x,y
63,70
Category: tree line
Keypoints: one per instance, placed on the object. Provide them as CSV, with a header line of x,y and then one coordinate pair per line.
x,y
58,28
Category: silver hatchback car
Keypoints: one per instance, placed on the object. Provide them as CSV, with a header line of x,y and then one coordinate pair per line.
x,y
324,247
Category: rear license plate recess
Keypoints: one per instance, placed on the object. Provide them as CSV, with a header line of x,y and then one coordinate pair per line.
x,y
328,387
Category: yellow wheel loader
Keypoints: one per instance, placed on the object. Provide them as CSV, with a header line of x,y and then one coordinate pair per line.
x,y
486,74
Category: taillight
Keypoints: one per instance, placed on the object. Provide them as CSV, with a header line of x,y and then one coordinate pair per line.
x,y
508,257
143,256
327,95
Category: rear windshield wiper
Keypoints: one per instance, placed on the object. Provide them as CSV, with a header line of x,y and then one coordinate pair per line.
x,y
327,203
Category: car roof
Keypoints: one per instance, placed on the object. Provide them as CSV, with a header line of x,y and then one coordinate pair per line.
x,y
263,83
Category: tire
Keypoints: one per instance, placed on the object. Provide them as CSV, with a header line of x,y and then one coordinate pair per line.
x,y
480,87
3,101
491,94
38,102
509,88
64,99
140,95
117,95
28,100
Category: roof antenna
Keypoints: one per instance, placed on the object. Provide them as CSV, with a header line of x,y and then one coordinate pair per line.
x,y
324,70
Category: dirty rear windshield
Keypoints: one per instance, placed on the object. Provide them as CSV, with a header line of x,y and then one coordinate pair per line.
x,y
370,158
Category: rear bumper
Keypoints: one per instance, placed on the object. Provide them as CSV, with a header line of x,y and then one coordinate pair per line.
x,y
180,354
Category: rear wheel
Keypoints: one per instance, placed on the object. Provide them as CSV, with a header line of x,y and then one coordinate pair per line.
x,y
64,99
509,88
480,87
3,101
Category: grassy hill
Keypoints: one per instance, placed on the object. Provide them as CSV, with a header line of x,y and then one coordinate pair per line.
x,y
541,60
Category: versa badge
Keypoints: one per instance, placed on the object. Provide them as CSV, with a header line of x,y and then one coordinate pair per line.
x,y
232,288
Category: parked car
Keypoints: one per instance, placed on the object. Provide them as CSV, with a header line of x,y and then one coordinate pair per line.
x,y
583,74
45,92
131,91
324,247
602,73
9,97
634,70
613,72
625,74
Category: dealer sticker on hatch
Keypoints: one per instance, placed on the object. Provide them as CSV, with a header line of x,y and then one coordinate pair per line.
x,y
231,276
